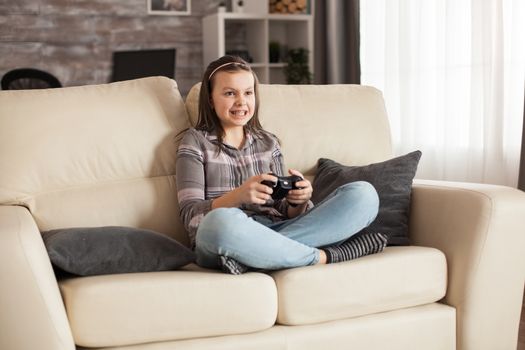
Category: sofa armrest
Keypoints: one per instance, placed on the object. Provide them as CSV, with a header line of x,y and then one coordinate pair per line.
x,y
32,313
481,230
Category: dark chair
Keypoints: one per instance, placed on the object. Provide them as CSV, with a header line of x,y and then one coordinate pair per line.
x,y
29,78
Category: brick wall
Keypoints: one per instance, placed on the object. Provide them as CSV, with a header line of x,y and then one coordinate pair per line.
x,y
74,39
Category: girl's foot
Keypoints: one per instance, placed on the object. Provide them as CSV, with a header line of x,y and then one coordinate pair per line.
x,y
232,266
355,247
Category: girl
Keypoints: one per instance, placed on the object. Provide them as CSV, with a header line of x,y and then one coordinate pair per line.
x,y
231,219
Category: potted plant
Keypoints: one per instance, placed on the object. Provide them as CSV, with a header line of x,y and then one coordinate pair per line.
x,y
297,71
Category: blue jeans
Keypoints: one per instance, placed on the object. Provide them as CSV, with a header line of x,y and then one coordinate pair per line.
x,y
289,243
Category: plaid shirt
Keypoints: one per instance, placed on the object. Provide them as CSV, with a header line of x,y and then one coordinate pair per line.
x,y
204,174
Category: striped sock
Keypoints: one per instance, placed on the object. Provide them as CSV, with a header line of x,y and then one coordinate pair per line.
x,y
231,266
355,247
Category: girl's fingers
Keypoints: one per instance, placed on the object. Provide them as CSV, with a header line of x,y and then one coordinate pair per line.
x,y
266,177
295,172
264,189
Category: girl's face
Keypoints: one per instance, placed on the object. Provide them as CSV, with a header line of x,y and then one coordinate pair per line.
x,y
233,98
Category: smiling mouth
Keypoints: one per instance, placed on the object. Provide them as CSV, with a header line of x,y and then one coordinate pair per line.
x,y
239,113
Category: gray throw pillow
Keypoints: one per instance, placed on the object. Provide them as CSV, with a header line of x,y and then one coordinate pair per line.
x,y
392,180
113,249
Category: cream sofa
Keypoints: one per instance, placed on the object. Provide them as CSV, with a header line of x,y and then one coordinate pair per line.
x,y
105,155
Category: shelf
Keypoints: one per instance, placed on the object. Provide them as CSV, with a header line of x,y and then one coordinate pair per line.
x,y
258,65
249,35
277,65
255,16
277,17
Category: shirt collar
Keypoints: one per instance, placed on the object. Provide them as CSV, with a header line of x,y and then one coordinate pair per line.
x,y
250,139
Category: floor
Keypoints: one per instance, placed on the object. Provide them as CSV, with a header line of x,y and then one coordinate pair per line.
x,y
521,336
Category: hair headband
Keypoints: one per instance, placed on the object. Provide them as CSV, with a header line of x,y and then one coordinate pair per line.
x,y
224,65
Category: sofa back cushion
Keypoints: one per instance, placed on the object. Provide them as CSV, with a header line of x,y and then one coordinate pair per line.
x,y
346,123
99,155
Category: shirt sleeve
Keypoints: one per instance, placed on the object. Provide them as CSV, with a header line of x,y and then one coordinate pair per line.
x,y
191,184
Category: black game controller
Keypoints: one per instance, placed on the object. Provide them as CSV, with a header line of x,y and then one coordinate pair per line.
x,y
283,185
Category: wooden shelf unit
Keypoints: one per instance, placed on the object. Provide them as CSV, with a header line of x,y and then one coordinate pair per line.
x,y
253,33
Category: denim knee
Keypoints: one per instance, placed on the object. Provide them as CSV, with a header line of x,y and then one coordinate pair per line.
x,y
361,192
218,225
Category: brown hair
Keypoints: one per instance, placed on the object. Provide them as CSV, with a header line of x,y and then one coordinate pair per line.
x,y
208,119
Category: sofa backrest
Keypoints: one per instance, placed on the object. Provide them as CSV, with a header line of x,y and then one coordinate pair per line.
x,y
104,155
346,123
95,155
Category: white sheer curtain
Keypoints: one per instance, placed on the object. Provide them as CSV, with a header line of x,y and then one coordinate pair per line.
x,y
453,74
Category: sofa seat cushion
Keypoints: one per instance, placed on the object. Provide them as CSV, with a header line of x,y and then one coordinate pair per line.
x,y
125,309
398,277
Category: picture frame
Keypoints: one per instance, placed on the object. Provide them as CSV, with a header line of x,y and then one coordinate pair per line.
x,y
169,7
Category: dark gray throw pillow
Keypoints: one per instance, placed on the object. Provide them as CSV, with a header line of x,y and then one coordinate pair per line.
x,y
87,251
392,180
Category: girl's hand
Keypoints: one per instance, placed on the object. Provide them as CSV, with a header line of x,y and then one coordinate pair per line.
x,y
301,195
252,191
